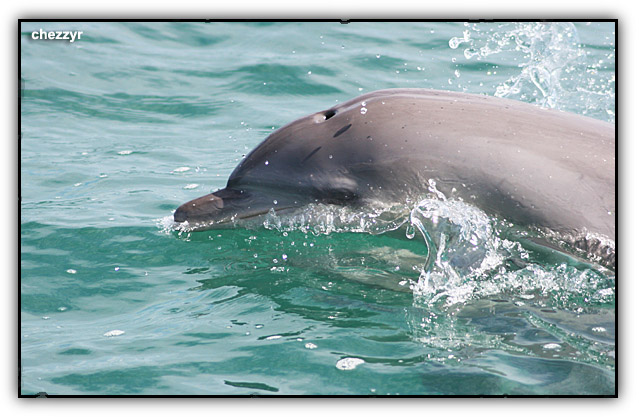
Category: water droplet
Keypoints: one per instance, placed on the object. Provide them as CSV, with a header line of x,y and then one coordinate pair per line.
x,y
310,346
284,256
265,162
363,110
330,157
275,202
410,232
71,271
377,56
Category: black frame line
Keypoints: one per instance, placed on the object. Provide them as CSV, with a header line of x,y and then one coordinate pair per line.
x,y
341,21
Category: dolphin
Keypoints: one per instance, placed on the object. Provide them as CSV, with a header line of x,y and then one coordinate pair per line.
x,y
535,167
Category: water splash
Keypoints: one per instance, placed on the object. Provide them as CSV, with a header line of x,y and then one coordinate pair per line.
x,y
466,271
467,254
472,256
475,274
462,247
168,226
324,219
555,71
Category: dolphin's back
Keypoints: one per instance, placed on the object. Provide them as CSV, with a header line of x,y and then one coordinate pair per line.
x,y
513,158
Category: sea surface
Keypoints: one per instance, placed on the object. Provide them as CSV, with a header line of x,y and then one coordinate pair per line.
x,y
121,126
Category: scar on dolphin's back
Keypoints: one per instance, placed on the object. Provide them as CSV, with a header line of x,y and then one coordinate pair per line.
x,y
342,130
313,152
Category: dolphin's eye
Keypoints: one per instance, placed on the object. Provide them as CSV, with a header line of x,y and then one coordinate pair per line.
x,y
328,114
338,196
338,188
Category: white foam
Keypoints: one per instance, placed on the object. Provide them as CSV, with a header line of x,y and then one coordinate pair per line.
x,y
348,364
552,346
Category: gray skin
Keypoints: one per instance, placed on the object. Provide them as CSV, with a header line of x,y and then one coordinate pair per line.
x,y
532,166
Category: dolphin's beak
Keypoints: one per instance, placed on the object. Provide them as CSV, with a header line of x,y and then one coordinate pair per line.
x,y
212,208
205,207
223,206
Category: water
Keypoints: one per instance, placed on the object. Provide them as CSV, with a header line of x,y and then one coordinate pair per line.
x,y
425,298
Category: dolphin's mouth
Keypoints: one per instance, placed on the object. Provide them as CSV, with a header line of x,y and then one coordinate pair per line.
x,y
218,209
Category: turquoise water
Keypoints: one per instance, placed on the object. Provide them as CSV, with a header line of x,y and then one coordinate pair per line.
x,y
134,119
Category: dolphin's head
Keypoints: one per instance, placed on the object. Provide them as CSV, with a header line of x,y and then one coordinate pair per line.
x,y
228,205
331,157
